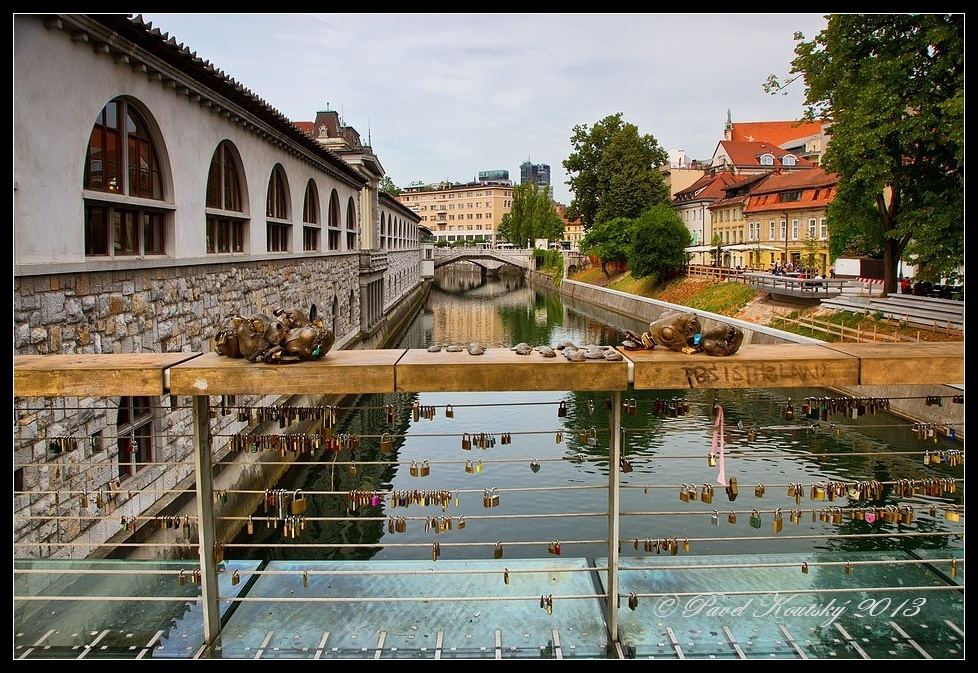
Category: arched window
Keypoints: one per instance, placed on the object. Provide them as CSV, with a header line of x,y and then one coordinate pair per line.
x,y
336,314
788,160
225,202
767,160
123,160
278,227
334,221
383,229
310,217
351,225
353,303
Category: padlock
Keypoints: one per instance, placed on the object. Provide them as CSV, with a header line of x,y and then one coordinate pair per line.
x,y
778,522
493,498
684,493
715,518
435,551
789,411
466,442
235,578
732,489
685,544
759,491
535,465
386,443
424,469
251,526
848,567
299,502
837,515
711,460
478,468
550,604
732,517
692,493
632,601
562,410
625,465
497,551
707,494
181,579
755,519
461,523
416,411
505,575
592,437
673,547
818,491
804,568
952,514
559,437
469,467
954,567
795,516
449,411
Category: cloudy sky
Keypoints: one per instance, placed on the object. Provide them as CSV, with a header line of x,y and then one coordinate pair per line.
x,y
445,96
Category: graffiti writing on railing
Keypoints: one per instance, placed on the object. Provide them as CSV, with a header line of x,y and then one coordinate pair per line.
x,y
702,375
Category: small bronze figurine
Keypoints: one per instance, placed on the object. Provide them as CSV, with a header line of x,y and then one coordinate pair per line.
x,y
683,332
288,337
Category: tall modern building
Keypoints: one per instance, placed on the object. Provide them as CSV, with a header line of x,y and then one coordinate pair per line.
x,y
538,173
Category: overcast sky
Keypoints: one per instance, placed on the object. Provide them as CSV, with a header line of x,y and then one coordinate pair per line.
x,y
445,96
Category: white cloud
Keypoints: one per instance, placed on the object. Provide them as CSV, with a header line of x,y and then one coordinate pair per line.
x,y
448,95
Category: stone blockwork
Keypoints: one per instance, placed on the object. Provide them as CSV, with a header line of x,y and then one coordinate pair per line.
x,y
173,309
402,275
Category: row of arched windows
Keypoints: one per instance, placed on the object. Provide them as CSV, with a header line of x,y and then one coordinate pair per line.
x,y
397,233
123,159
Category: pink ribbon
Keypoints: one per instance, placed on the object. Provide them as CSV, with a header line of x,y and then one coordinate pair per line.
x,y
718,438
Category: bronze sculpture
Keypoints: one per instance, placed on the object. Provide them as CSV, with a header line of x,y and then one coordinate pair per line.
x,y
287,337
683,332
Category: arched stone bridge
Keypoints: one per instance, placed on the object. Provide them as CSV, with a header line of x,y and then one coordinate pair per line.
x,y
491,259
486,258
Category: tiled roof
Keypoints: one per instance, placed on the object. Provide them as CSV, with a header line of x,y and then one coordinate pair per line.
x,y
712,186
306,127
732,201
775,133
166,48
816,186
743,153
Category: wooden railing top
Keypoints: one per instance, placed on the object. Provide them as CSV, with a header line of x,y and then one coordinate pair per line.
x,y
499,369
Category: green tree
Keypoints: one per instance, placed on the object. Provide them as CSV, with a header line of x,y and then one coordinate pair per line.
x,y
388,187
659,239
609,241
810,246
893,87
533,215
611,171
628,182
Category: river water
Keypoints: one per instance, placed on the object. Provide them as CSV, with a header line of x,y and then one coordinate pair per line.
x,y
664,451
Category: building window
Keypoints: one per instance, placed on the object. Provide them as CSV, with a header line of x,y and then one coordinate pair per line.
x,y
310,217
334,221
122,159
794,230
278,229
225,231
119,231
794,195
770,231
811,228
767,160
134,428
351,225
788,160
824,230
784,230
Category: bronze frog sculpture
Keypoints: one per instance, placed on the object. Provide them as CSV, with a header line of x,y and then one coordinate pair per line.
x,y
683,332
289,336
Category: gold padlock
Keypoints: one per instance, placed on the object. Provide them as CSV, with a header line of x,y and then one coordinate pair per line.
x,y
684,493
952,514
466,442
625,465
837,515
685,544
235,578
299,502
778,522
559,437
386,443
497,551
711,460
732,489
804,568
707,494
759,490
424,469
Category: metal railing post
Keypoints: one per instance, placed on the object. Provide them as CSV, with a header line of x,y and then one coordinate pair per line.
x,y
614,507
205,518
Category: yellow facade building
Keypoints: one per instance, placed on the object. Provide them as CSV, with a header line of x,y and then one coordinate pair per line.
x,y
460,212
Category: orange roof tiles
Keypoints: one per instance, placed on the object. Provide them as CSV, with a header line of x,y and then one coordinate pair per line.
x,y
776,133
305,127
743,153
816,186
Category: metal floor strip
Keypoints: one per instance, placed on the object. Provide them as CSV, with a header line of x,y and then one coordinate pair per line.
x,y
913,643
